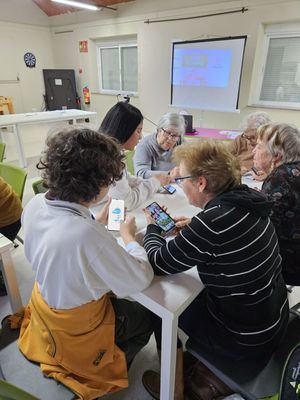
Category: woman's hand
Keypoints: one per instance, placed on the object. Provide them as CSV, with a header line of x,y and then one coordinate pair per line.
x,y
148,216
164,179
128,229
102,216
174,173
181,222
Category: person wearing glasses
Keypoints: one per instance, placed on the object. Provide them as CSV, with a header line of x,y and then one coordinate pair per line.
x,y
153,154
124,122
277,154
242,146
242,312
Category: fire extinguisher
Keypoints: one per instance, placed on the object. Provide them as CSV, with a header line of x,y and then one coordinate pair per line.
x,y
86,95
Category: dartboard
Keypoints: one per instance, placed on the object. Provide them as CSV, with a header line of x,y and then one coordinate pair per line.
x,y
30,60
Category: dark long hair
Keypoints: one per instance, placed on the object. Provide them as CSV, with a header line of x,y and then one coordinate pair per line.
x,y
121,121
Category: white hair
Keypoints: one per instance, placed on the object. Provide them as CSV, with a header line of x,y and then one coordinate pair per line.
x,y
255,120
174,121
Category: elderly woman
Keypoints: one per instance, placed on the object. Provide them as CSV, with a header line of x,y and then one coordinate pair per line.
x,y
277,153
242,146
153,154
80,335
124,122
242,312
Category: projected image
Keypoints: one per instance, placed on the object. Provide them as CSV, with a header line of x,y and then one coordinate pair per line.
x,y
202,67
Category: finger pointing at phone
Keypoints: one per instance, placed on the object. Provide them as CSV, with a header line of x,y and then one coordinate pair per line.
x,y
128,229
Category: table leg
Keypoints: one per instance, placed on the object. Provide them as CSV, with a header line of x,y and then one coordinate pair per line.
x,y
20,146
168,358
10,281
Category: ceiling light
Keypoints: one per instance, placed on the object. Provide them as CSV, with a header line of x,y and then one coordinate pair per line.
x,y
77,4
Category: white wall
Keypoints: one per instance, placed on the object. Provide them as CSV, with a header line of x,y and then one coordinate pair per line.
x,y
154,43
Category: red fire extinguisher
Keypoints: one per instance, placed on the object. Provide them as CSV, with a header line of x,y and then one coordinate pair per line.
x,y
86,95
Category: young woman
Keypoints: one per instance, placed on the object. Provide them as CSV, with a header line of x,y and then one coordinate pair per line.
x,y
124,122
80,335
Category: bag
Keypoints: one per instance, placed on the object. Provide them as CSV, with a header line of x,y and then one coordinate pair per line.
x,y
200,383
290,382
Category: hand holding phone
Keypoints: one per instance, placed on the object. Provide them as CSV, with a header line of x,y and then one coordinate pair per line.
x,y
116,213
161,217
170,189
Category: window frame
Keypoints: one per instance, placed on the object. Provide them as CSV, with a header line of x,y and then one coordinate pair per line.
x,y
280,31
118,46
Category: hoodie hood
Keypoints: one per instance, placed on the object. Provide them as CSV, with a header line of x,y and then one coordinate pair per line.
x,y
246,199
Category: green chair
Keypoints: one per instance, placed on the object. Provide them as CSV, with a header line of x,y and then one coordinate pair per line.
x,y
129,161
38,186
2,151
11,392
16,177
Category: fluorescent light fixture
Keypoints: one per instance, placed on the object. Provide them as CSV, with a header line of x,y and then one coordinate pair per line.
x,y
77,4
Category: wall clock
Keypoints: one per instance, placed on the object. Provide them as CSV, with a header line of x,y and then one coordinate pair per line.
x,y
29,60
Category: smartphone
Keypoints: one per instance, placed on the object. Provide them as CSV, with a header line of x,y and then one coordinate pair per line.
x,y
161,218
116,213
170,189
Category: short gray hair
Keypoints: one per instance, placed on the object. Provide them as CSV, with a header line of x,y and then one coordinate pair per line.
x,y
283,139
172,120
255,120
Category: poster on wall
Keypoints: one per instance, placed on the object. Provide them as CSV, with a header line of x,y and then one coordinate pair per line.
x,y
83,46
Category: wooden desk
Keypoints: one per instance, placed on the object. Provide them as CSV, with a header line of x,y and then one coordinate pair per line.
x,y
9,274
15,120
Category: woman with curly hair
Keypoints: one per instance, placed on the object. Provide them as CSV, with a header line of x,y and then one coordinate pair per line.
x,y
277,154
79,334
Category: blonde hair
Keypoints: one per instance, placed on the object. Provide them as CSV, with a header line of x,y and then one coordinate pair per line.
x,y
212,160
281,139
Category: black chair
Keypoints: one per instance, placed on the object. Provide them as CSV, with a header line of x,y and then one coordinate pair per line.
x,y
249,379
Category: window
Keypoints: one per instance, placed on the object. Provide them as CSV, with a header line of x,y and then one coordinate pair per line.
x,y
118,68
279,86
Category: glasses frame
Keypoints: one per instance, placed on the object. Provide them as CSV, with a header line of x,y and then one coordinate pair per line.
x,y
250,139
171,136
179,179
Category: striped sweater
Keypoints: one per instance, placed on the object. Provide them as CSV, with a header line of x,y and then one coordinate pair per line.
x,y
234,246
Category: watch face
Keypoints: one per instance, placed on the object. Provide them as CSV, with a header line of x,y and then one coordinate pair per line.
x,y
30,60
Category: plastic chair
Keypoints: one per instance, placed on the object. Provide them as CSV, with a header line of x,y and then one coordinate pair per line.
x,y
129,160
2,151
16,177
38,186
11,392
26,375
247,379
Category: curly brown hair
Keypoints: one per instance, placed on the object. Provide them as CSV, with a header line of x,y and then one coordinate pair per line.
x,y
77,163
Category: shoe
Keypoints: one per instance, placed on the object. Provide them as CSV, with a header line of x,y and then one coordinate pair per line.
x,y
151,380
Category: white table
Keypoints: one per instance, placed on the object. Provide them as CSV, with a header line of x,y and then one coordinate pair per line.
x,y
9,274
15,120
168,296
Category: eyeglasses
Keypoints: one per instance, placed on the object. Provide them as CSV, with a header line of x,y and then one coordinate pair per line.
x,y
251,139
171,136
180,179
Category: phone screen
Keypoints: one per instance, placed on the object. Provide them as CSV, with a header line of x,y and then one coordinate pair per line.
x,y
161,218
115,214
170,189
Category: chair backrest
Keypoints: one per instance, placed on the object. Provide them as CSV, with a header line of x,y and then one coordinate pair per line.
x,y
38,186
129,161
2,151
15,176
11,392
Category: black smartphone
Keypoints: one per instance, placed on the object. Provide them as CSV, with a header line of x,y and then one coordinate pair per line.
x,y
170,189
161,218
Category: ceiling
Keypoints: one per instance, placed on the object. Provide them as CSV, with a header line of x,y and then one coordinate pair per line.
x,y
51,9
